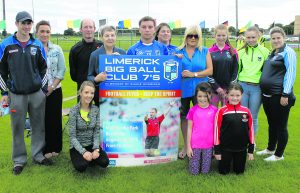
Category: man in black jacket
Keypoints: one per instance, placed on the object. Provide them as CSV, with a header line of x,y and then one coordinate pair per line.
x,y
80,55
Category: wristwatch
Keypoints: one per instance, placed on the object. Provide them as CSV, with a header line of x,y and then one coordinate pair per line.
x,y
195,74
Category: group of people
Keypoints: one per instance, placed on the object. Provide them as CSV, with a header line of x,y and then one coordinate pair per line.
x,y
31,71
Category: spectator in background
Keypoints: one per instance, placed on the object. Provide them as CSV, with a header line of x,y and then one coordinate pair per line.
x,y
196,67
240,41
277,82
261,39
109,37
84,126
55,74
225,65
23,84
251,59
80,54
147,45
163,35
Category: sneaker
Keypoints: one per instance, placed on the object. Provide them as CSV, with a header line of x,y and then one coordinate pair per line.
x,y
48,155
273,158
45,162
17,170
54,154
265,152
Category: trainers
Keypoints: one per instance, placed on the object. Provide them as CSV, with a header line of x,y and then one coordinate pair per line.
x,y
17,170
45,162
54,154
273,158
48,155
265,152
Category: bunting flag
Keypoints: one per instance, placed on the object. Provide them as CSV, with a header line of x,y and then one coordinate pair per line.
x,y
73,23
225,23
2,24
177,24
202,24
127,23
121,24
172,25
243,29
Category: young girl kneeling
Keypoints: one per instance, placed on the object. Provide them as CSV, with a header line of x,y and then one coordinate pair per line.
x,y
234,133
200,135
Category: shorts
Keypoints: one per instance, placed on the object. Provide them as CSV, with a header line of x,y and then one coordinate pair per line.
x,y
151,142
185,106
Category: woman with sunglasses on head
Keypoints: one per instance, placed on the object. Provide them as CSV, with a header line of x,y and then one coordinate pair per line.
x,y
196,67
55,73
163,35
276,82
251,59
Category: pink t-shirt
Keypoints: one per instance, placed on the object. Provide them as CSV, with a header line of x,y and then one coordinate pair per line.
x,y
203,126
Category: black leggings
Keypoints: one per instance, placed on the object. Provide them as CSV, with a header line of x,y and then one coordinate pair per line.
x,y
238,160
80,164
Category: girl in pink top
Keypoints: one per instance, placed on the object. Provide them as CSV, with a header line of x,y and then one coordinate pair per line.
x,y
200,136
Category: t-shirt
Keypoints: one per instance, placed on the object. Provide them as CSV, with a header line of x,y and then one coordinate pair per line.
x,y
153,125
84,115
153,49
203,126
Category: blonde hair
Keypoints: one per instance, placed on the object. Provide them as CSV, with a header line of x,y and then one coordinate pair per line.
x,y
84,84
277,30
195,29
224,27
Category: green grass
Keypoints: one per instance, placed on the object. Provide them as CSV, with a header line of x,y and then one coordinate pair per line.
x,y
172,177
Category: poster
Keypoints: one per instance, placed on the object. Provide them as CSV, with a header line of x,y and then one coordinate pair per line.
x,y
137,89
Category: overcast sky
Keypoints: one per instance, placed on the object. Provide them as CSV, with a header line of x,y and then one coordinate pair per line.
x,y
189,12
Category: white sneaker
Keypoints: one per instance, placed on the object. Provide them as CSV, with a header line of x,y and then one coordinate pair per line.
x,y
265,152
273,158
48,155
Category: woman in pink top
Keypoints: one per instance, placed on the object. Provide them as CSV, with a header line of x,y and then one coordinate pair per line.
x,y
200,135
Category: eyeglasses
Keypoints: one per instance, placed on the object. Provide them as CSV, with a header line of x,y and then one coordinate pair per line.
x,y
192,36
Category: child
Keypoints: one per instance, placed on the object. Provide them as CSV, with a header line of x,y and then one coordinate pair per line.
x,y
84,125
153,127
225,65
233,133
200,134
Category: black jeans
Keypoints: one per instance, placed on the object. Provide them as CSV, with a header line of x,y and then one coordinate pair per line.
x,y
277,116
80,164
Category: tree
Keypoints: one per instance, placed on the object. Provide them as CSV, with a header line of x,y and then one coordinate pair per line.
x,y
69,32
232,30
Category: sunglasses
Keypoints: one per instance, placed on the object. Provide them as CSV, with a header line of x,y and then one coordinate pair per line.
x,y
26,22
192,36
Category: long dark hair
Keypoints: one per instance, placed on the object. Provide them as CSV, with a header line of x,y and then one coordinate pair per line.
x,y
204,87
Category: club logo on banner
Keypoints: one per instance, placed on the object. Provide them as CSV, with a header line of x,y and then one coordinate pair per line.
x,y
139,111
170,70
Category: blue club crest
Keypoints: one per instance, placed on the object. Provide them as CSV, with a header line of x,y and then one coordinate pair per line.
x,y
170,70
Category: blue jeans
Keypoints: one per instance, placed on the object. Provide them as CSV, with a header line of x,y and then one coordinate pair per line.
x,y
252,99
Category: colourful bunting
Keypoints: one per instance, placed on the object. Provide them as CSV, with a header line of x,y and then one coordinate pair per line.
x,y
246,27
202,24
2,24
73,23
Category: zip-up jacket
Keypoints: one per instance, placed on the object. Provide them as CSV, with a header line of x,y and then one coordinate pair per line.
x,y
250,63
22,70
233,129
279,72
225,67
79,59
